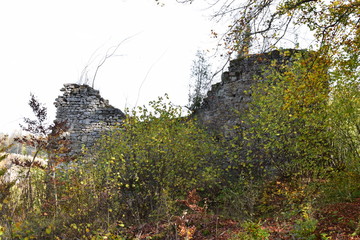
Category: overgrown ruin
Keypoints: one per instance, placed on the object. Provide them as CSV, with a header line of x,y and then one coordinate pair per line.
x,y
227,100
89,115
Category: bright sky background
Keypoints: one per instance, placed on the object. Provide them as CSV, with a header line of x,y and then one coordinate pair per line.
x,y
46,43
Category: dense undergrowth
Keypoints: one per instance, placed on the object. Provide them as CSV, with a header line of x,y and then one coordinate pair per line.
x,y
162,176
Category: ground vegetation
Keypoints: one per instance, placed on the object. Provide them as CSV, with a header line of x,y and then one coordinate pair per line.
x,y
291,172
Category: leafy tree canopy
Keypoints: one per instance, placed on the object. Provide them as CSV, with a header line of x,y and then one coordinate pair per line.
x,y
334,23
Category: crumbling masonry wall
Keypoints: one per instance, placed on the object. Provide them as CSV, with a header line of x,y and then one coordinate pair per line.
x,y
227,100
87,114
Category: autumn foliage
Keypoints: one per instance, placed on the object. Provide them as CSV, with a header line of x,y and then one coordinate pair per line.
x,y
291,171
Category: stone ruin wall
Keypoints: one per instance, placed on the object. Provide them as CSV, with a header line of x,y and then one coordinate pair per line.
x,y
87,114
222,108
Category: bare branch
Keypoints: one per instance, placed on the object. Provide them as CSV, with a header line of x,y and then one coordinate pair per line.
x,y
147,74
108,55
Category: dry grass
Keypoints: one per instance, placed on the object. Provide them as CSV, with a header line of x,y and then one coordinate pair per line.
x,y
16,164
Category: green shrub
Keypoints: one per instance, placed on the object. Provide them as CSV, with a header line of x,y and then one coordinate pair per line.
x,y
304,229
342,186
140,169
239,199
252,231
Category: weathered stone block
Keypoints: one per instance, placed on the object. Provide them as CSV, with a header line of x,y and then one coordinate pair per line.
x,y
87,114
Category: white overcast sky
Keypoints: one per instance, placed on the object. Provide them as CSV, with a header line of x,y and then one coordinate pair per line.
x,y
46,43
